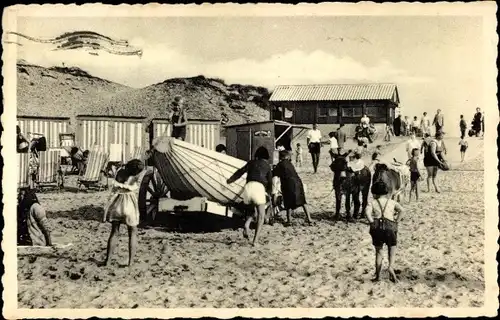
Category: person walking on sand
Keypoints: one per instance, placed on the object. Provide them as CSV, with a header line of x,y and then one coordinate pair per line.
x,y
438,121
425,124
259,184
178,119
298,155
462,125
414,172
341,138
463,147
292,188
123,208
415,125
314,145
383,214
433,159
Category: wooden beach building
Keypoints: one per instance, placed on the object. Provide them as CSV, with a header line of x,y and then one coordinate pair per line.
x,y
333,104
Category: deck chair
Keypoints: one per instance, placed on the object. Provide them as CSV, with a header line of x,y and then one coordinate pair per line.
x,y
49,170
95,170
23,171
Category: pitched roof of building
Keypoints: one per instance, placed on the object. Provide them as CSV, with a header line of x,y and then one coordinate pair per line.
x,y
336,92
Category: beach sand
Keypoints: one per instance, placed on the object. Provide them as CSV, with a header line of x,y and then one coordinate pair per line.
x,y
439,260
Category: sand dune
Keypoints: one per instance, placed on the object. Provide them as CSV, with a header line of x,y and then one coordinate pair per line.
x,y
439,260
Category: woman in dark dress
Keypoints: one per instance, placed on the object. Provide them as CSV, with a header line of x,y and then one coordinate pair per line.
x,y
292,188
397,126
476,122
178,119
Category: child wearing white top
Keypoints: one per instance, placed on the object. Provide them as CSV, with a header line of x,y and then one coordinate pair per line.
x,y
334,146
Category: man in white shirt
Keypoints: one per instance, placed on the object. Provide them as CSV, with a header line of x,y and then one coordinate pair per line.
x,y
413,143
334,146
314,145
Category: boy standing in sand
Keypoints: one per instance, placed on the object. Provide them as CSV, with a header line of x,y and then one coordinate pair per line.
x,y
383,215
298,155
259,185
463,146
414,172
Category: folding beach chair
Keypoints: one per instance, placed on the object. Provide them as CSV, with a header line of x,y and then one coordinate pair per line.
x,y
23,171
94,172
49,169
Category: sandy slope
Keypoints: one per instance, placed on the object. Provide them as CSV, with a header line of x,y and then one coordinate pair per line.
x,y
440,257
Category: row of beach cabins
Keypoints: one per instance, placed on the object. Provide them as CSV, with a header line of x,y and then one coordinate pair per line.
x,y
118,139
111,139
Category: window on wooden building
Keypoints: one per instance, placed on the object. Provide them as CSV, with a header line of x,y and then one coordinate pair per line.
x,y
332,112
357,111
322,112
347,112
352,111
375,111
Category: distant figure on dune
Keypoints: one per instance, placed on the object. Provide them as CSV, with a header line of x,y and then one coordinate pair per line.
x,y
298,155
32,224
178,119
383,214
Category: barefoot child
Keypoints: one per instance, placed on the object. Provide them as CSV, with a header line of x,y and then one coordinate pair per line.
x,y
292,188
463,146
383,215
259,184
123,208
298,155
414,172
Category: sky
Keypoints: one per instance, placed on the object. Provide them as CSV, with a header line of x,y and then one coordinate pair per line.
x,y
434,60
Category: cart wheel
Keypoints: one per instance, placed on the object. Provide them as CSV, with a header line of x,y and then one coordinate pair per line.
x,y
151,190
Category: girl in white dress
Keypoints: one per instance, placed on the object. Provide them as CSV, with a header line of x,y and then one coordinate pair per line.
x,y
123,207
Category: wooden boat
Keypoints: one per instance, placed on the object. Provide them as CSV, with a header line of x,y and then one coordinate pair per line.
x,y
183,171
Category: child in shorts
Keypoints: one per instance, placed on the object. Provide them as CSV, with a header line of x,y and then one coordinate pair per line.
x,y
463,146
258,186
383,214
414,172
298,155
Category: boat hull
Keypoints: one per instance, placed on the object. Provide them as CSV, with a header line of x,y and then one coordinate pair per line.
x,y
191,171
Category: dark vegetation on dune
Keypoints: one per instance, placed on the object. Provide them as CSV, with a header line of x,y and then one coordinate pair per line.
x,y
71,91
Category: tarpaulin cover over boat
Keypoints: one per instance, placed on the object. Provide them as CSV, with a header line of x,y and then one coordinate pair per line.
x,y
192,171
